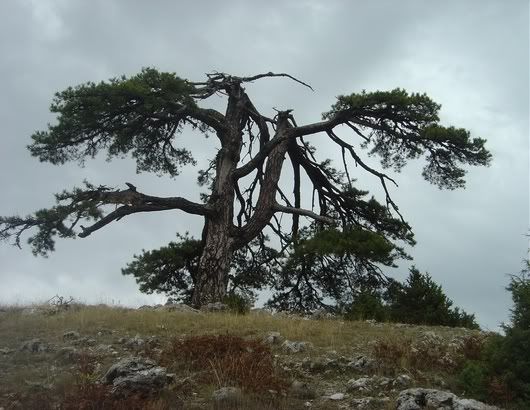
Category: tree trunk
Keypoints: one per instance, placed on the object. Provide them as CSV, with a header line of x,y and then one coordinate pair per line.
x,y
214,266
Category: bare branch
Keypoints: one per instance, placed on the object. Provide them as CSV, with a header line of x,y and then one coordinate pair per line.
x,y
304,212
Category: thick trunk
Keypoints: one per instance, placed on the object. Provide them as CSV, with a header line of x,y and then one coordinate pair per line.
x,y
214,266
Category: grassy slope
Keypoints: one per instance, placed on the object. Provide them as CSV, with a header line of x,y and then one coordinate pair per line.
x,y
331,338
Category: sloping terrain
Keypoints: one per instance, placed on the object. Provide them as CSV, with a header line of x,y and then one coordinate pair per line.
x,y
61,359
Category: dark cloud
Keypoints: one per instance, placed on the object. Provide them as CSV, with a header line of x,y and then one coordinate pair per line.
x,y
470,56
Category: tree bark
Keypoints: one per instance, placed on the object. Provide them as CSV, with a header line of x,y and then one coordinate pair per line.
x,y
214,266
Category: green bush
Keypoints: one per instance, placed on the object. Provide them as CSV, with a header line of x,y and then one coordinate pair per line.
x,y
505,360
237,303
421,301
473,379
367,305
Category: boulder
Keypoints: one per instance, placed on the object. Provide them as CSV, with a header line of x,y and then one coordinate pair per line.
x,y
361,363
273,338
362,384
34,346
419,398
226,395
136,375
71,335
337,396
180,307
215,307
296,347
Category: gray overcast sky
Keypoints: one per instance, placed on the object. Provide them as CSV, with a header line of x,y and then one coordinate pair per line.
x,y
470,56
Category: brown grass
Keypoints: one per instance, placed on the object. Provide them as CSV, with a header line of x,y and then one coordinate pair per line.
x,y
227,360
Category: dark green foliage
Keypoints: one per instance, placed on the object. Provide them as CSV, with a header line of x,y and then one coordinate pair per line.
x,y
327,267
405,126
368,304
143,116
56,221
421,301
505,360
123,115
473,379
172,270
237,303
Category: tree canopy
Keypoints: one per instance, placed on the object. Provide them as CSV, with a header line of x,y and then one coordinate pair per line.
x,y
143,115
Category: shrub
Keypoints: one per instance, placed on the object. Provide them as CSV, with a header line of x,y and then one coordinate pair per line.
x,y
237,303
421,301
227,361
505,360
367,305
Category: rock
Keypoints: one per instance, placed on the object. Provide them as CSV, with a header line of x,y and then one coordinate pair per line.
x,y
361,384
302,390
215,307
273,338
321,314
34,346
227,395
136,375
180,307
102,349
337,396
403,380
84,341
71,335
320,365
296,347
418,398
361,363
135,341
371,403
68,354
5,351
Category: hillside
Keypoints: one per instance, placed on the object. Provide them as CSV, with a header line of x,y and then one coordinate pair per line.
x,y
59,357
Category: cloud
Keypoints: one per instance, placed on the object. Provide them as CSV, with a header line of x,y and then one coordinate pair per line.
x,y
470,56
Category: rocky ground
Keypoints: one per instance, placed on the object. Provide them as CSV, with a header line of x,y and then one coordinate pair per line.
x,y
174,357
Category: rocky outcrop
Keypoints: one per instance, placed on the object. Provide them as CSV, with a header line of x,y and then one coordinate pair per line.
x,y
136,375
418,399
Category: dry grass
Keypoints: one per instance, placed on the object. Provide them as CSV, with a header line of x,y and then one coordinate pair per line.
x,y
206,351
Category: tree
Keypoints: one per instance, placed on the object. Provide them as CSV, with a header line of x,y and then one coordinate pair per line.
x,y
422,301
143,115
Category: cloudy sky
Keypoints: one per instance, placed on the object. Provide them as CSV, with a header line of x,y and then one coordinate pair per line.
x,y
470,56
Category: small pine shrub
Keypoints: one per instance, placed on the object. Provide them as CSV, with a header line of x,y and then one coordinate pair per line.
x,y
367,305
237,304
502,372
473,378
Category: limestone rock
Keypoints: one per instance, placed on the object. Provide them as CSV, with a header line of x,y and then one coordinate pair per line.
x,y
296,347
71,335
273,338
418,398
34,346
361,384
136,375
180,307
337,396
215,307
361,363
